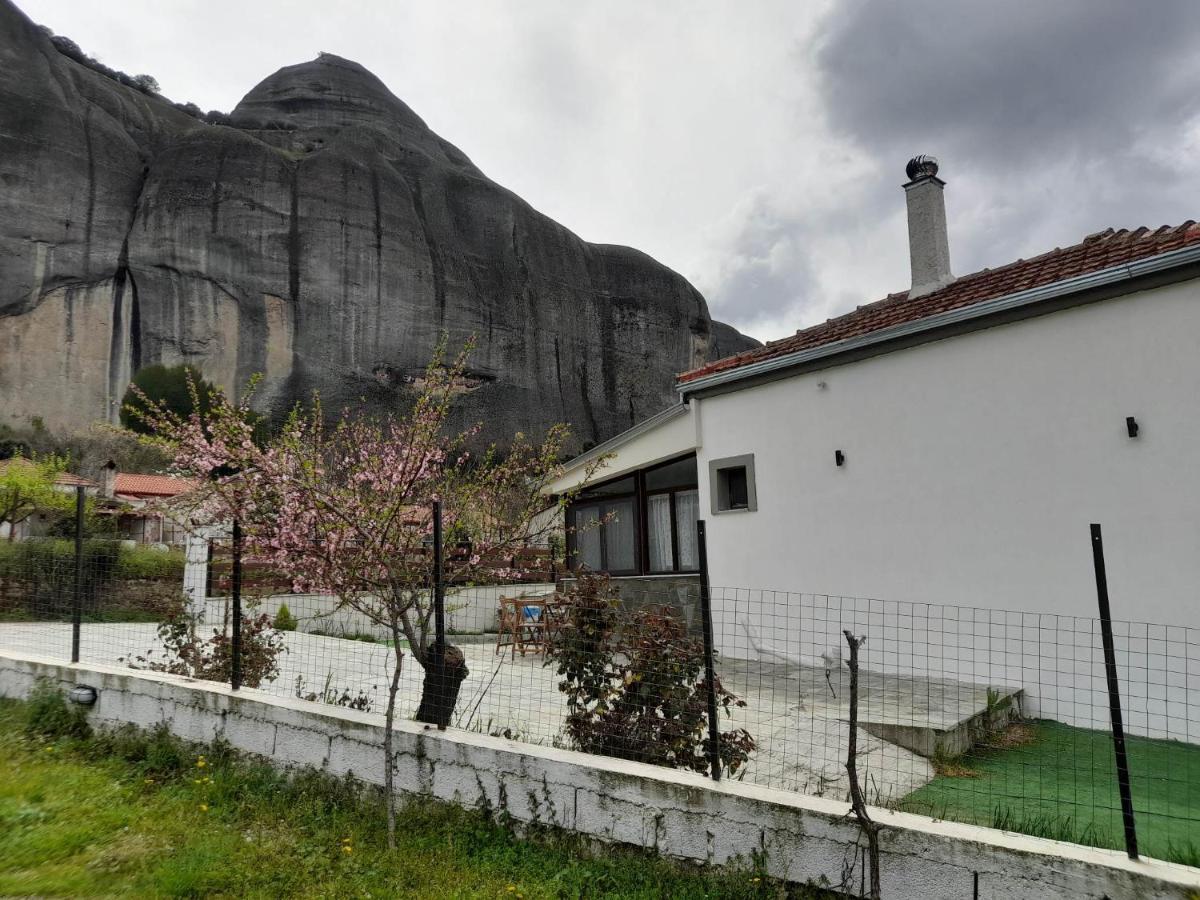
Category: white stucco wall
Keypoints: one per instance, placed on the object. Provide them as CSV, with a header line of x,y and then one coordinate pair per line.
x,y
679,814
974,466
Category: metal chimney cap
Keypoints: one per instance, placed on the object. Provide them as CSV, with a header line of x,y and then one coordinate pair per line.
x,y
921,167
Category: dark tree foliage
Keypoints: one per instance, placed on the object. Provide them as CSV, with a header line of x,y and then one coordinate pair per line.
x,y
635,684
147,84
167,385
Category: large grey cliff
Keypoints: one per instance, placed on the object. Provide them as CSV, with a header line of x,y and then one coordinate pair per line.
x,y
325,238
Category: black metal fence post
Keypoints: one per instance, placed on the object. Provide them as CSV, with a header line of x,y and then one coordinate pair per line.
x,y
710,675
1114,694
235,679
77,594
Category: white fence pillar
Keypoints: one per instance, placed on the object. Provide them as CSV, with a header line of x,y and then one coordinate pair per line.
x,y
195,572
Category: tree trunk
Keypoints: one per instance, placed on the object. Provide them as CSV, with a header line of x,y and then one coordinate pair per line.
x,y
859,805
445,668
389,719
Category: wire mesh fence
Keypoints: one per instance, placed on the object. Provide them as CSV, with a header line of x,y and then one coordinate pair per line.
x,y
992,717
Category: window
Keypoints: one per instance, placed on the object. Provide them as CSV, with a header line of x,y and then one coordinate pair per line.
x,y
671,513
640,524
605,532
731,484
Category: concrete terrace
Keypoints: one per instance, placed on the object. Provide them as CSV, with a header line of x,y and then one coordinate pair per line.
x,y
796,716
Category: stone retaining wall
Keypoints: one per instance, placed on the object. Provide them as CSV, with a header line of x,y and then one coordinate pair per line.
x,y
679,814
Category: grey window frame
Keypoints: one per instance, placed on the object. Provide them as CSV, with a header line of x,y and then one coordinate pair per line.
x,y
718,486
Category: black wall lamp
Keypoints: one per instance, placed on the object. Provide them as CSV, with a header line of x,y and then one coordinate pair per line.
x,y
838,457
1132,426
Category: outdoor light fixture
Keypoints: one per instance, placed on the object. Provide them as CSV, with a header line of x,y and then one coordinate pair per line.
x,y
83,695
839,457
1132,426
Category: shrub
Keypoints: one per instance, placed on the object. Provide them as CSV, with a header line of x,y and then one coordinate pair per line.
x,y
185,652
635,685
42,574
180,389
284,620
49,715
139,563
147,84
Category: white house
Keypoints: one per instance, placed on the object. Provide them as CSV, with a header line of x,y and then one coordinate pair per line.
x,y
947,445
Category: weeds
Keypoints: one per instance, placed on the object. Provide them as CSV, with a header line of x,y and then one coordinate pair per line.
x,y
49,715
137,813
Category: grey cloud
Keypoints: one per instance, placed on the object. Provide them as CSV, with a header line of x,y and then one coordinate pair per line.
x,y
1009,83
1052,120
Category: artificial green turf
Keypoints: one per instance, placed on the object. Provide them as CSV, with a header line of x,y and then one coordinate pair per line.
x,y
1063,785
137,815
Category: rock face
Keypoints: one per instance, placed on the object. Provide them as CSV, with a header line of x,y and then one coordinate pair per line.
x,y
325,239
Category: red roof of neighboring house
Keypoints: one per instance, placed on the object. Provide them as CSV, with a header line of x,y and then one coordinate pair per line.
x,y
72,480
1095,252
150,485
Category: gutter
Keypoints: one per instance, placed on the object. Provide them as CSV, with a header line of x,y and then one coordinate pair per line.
x,y
1114,275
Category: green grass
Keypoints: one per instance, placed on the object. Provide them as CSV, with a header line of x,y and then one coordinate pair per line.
x,y
1062,784
130,814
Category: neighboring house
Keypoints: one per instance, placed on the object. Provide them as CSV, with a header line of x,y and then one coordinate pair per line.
x,y
143,505
38,523
949,444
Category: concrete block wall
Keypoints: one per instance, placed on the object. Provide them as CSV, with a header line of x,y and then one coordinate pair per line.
x,y
679,814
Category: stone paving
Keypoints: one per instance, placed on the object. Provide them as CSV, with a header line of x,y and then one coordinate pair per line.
x,y
796,715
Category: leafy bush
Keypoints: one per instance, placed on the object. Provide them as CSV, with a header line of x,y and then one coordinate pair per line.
x,y
49,715
147,84
42,574
171,386
284,620
635,685
185,652
147,563
37,580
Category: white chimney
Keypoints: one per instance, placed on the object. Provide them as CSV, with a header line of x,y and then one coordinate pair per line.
x,y
928,245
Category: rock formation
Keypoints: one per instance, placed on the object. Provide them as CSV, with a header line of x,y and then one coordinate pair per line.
x,y
325,237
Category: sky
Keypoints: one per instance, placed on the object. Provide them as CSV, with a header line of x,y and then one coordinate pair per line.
x,y
755,146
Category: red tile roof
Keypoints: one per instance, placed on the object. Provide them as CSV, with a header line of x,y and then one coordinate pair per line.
x,y
66,478
150,485
1095,252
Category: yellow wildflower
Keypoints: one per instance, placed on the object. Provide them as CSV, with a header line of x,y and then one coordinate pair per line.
x,y
346,848
200,763
203,807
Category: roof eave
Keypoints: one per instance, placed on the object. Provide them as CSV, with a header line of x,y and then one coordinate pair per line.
x,y
616,441
1114,275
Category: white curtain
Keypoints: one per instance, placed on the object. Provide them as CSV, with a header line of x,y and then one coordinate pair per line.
x,y
620,536
658,520
687,511
587,537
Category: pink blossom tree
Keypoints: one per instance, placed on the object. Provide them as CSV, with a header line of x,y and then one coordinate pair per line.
x,y
347,509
